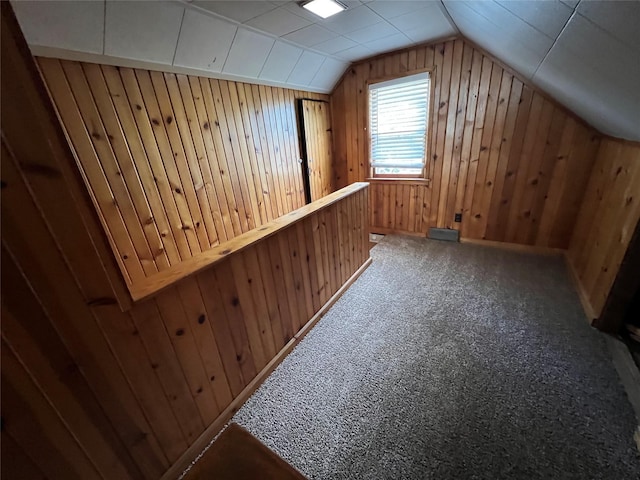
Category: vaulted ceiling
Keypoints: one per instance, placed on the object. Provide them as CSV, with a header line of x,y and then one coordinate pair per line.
x,y
586,54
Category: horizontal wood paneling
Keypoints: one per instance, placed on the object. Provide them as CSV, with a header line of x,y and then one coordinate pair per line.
x,y
90,390
513,162
607,220
177,164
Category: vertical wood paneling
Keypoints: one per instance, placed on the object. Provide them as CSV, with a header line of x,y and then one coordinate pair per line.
x,y
316,117
177,164
398,206
40,181
36,426
607,220
511,161
185,353
93,386
66,305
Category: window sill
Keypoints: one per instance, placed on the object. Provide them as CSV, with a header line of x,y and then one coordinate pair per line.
x,y
404,181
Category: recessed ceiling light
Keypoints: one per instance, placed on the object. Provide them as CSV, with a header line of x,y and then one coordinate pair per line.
x,y
324,8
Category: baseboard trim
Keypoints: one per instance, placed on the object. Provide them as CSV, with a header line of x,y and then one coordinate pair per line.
x,y
517,247
212,430
589,311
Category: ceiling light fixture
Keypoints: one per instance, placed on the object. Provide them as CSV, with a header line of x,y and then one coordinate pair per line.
x,y
324,8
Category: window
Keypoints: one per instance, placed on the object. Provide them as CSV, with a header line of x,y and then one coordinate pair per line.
x,y
398,111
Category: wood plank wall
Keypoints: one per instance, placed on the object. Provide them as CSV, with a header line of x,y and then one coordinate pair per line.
x,y
95,392
607,220
90,391
514,163
176,163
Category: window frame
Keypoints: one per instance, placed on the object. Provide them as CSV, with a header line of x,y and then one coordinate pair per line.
x,y
429,130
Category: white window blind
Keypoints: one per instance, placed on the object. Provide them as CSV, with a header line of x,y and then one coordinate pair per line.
x,y
398,111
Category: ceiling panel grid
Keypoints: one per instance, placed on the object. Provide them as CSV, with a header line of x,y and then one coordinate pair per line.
x,y
585,54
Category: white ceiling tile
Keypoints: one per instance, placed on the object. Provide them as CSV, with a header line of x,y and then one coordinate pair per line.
x,y
351,3
548,17
204,41
386,44
281,61
601,52
424,18
503,45
69,25
351,20
571,3
373,32
620,19
592,67
308,65
240,11
248,53
309,36
143,30
334,45
329,74
429,33
279,22
590,95
355,53
507,24
390,9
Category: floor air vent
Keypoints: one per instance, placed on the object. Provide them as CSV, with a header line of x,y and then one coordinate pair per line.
x,y
446,234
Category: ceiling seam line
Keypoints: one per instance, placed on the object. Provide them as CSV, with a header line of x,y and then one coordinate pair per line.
x,y
235,34
266,59
386,20
175,51
246,26
530,24
564,27
453,22
318,71
294,67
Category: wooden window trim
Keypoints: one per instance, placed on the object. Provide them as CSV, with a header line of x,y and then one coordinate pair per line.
x,y
432,76
397,176
403,180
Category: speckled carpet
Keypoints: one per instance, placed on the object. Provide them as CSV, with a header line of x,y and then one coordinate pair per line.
x,y
450,361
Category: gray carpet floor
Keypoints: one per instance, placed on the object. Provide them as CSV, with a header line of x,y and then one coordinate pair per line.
x,y
450,361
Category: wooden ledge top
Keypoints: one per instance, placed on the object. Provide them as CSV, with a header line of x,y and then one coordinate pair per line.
x,y
197,263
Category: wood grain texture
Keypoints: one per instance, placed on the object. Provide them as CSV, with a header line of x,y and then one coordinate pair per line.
x,y
92,386
60,324
112,394
195,264
205,438
177,164
318,146
607,220
511,161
